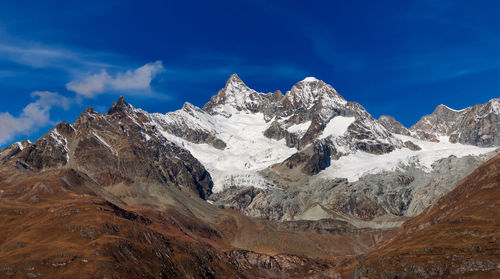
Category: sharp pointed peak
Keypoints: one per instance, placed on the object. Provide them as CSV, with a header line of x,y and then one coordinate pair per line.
x,y
121,100
119,105
234,79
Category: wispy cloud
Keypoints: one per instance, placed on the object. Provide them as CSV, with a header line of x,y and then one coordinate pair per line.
x,y
137,81
35,115
43,56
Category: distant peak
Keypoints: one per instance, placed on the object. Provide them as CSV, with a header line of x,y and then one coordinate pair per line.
x,y
310,79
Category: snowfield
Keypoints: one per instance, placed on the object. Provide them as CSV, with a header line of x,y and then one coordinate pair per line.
x,y
337,126
247,149
299,129
354,166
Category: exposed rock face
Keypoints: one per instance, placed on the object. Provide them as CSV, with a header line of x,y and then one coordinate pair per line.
x,y
311,160
392,125
51,150
440,122
389,196
478,125
458,236
275,131
13,149
410,145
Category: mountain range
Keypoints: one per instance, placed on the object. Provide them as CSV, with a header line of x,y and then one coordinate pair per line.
x,y
301,184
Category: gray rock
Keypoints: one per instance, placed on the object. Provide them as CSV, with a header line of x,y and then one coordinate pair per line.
x,y
392,125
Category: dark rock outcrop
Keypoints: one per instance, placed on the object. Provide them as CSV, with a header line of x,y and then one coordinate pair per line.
x,y
310,160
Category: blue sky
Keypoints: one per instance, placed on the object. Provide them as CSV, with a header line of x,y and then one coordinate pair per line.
x,y
401,58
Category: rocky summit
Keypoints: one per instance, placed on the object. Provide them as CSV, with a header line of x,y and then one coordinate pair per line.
x,y
304,184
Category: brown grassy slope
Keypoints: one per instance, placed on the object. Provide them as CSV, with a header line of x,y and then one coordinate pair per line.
x,y
59,224
459,236
51,232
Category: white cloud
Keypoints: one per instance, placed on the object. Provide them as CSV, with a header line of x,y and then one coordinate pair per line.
x,y
131,80
34,115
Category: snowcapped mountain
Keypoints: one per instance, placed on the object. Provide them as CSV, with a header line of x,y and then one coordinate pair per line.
x,y
271,141
240,131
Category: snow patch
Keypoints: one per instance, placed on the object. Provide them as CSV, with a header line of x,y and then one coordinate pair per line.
x,y
106,144
337,126
247,149
299,129
310,79
20,145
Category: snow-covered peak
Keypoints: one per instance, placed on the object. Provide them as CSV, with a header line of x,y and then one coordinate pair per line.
x,y
311,91
236,96
236,87
310,79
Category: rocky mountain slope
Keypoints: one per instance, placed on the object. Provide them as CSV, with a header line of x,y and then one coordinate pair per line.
x,y
456,237
478,125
